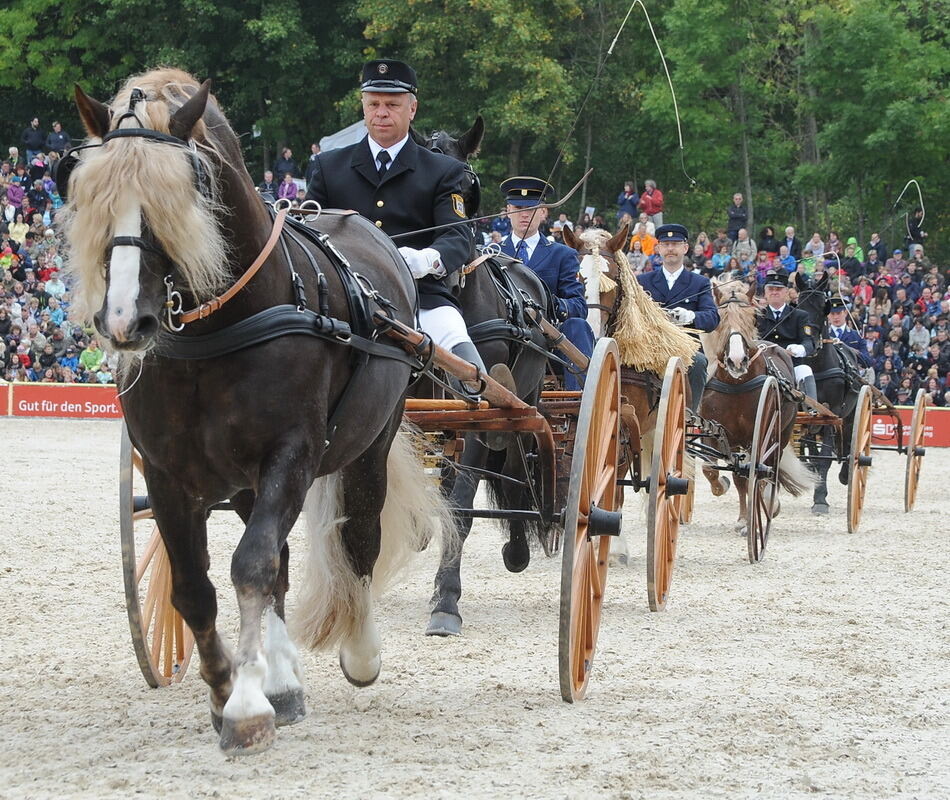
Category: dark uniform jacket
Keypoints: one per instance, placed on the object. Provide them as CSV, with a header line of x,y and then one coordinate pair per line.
x,y
793,327
853,339
420,189
556,265
691,291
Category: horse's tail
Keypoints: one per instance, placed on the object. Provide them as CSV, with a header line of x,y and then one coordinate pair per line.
x,y
794,477
333,600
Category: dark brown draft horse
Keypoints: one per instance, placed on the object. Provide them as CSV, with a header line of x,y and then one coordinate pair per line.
x,y
263,395
740,363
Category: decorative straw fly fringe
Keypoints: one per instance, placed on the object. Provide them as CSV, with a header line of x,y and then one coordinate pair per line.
x,y
646,338
607,284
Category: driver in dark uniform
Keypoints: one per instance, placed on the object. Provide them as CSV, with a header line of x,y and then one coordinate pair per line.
x,y
789,328
403,187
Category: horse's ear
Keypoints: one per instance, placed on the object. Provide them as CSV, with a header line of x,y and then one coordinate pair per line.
x,y
417,137
618,240
569,238
184,119
96,117
471,140
717,295
750,292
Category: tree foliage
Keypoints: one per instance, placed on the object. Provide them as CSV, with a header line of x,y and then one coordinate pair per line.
x,y
821,111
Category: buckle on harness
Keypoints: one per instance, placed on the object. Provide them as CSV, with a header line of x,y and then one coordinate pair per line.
x,y
173,304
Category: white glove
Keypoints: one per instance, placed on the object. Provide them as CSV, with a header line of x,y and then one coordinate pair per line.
x,y
796,350
423,262
681,316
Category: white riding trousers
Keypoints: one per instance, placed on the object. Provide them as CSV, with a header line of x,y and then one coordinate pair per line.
x,y
445,325
802,371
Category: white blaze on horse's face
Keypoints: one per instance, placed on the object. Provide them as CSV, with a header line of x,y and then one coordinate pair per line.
x,y
124,269
737,354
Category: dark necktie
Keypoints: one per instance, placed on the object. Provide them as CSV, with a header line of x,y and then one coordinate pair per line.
x,y
521,252
383,158
776,314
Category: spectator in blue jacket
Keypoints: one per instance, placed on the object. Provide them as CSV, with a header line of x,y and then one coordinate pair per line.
x,y
627,201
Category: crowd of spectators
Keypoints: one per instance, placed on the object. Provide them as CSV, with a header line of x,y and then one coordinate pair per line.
x,y
39,341
897,299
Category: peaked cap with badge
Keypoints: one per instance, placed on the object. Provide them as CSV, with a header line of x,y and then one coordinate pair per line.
x,y
524,191
671,233
419,189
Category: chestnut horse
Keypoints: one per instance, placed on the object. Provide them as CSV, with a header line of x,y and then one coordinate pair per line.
x,y
739,364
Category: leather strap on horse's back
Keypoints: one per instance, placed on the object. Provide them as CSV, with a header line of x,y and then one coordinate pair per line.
x,y
208,308
736,388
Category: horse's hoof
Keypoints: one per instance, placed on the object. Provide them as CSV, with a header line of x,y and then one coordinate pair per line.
x,y
619,560
740,527
843,474
721,486
820,509
242,737
356,681
442,623
217,721
516,558
777,508
289,707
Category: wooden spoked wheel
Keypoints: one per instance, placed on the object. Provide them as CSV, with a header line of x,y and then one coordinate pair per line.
x,y
668,485
764,457
860,458
162,642
915,450
592,492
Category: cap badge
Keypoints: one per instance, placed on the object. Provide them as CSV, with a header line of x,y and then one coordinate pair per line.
x,y
383,69
524,192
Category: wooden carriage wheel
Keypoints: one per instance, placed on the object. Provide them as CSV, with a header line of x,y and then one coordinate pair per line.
x,y
859,458
668,486
915,450
162,642
590,518
764,457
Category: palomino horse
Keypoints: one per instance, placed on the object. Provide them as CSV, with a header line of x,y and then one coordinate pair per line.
x,y
838,382
251,395
494,296
739,366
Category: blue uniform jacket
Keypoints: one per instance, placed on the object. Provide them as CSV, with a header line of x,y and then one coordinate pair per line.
x,y
556,264
691,291
853,339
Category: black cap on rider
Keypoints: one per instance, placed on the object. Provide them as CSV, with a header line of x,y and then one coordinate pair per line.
x,y
776,277
388,76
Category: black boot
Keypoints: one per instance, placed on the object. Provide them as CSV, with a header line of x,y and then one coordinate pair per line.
x,y
468,352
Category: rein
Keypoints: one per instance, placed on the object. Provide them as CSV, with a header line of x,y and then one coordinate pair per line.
x,y
208,308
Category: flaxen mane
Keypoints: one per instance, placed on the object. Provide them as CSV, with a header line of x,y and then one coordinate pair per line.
x,y
160,177
736,313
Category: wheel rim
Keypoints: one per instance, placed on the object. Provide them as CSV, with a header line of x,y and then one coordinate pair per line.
x,y
162,642
593,483
766,452
860,446
664,510
915,441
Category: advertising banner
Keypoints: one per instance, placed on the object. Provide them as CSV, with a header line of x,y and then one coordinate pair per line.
x,y
936,428
72,400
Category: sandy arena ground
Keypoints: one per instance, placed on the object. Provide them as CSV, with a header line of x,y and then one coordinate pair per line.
x,y
823,671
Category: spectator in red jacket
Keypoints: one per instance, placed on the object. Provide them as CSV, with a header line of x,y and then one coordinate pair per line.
x,y
651,202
